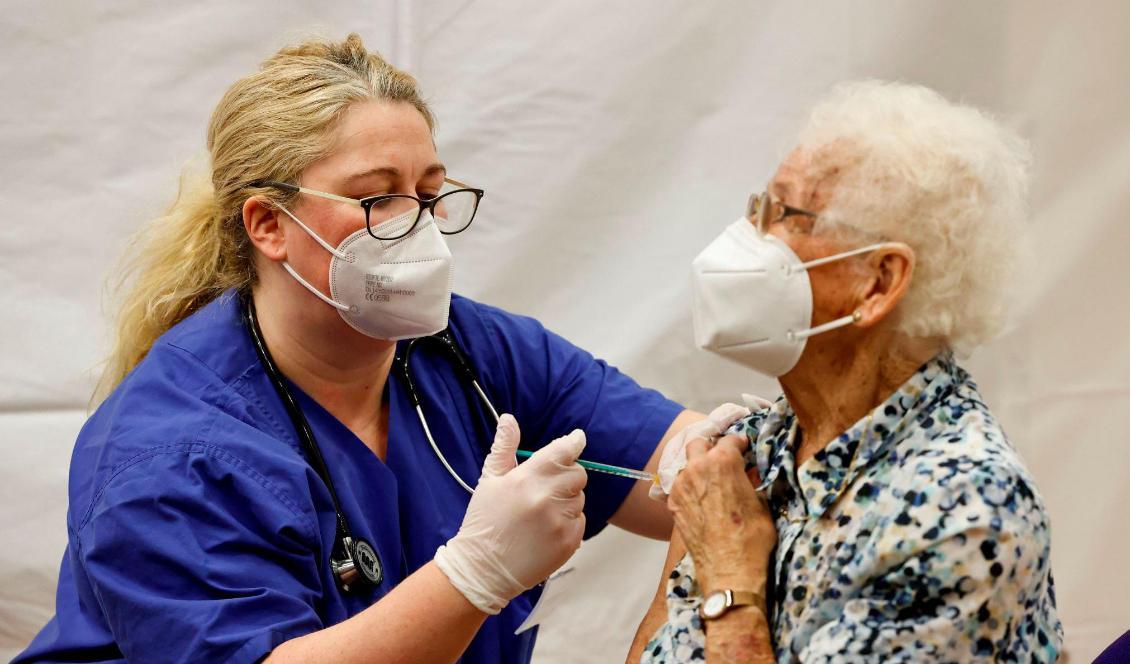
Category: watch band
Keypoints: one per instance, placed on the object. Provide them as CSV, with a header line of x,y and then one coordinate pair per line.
x,y
745,598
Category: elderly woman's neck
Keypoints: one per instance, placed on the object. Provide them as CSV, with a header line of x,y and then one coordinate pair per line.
x,y
837,385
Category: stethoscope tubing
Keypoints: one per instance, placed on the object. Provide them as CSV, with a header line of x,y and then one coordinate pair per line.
x,y
301,425
402,363
342,558
346,549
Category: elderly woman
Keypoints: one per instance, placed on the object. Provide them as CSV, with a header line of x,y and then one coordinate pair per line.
x,y
880,513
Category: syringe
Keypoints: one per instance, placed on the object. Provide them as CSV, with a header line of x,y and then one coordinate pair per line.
x,y
630,473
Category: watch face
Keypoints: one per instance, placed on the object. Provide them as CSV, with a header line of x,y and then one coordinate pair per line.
x,y
714,605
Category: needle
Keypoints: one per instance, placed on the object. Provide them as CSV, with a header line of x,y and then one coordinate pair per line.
x,y
605,468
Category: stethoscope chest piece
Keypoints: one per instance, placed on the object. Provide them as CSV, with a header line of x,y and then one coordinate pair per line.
x,y
368,561
363,565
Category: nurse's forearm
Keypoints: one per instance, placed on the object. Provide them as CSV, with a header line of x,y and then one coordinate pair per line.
x,y
424,619
640,514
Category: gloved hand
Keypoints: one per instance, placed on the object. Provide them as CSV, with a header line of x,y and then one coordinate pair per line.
x,y
523,522
674,457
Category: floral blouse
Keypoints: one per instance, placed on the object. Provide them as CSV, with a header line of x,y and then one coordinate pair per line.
x,y
917,535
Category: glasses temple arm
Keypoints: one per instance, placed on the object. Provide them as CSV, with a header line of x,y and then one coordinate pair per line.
x,y
332,197
457,183
293,187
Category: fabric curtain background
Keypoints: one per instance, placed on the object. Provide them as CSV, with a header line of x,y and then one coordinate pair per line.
x,y
614,141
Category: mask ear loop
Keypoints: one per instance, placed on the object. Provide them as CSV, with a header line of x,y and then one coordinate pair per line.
x,y
315,291
855,316
835,257
325,245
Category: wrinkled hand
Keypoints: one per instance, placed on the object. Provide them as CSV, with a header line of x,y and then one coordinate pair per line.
x,y
725,525
523,522
674,457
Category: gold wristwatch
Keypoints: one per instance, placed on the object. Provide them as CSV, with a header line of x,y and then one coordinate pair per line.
x,y
716,604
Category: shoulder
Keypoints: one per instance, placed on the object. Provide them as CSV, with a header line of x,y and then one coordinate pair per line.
x,y
195,399
200,482
508,341
751,425
189,379
477,320
767,429
958,471
196,467
959,442
214,337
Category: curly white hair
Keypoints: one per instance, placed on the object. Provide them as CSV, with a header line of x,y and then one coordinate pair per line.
x,y
946,179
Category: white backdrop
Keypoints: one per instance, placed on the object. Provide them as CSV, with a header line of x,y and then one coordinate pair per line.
x,y
614,140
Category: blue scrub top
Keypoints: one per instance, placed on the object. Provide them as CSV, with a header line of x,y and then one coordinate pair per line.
x,y
199,532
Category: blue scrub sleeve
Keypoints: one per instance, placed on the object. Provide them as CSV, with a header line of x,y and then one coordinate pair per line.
x,y
194,556
554,387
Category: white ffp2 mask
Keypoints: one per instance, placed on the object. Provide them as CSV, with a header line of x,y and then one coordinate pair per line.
x,y
388,289
753,300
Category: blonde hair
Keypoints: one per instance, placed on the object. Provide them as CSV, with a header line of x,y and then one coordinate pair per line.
x,y
948,180
268,126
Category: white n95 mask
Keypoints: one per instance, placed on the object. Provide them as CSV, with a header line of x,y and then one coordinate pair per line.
x,y
388,289
753,300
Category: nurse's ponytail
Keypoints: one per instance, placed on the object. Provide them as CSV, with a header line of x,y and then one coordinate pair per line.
x,y
177,263
269,126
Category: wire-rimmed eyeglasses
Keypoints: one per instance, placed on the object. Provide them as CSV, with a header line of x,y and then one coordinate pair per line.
x,y
765,209
452,210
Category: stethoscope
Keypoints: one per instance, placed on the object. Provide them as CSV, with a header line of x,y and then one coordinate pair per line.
x,y
354,561
444,342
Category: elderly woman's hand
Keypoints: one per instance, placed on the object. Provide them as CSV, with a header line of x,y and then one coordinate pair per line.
x,y
726,526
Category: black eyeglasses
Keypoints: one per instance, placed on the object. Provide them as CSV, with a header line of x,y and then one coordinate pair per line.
x,y
452,210
765,209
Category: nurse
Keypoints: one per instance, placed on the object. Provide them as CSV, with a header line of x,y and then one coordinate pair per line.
x,y
255,484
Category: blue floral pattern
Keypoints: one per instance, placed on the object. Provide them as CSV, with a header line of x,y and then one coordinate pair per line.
x,y
916,535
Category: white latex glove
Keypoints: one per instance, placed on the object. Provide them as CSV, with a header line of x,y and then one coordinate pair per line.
x,y
674,457
522,523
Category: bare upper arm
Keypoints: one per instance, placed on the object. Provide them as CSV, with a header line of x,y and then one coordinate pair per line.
x,y
657,613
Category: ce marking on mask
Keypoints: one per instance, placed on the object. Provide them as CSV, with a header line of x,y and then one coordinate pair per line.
x,y
377,288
